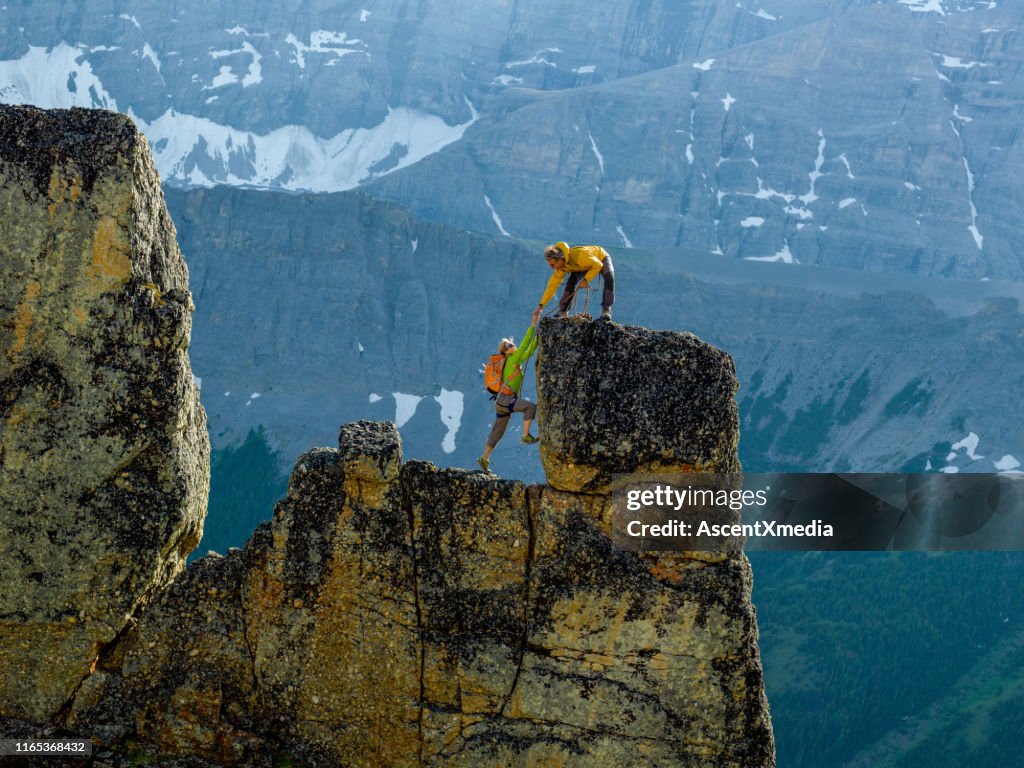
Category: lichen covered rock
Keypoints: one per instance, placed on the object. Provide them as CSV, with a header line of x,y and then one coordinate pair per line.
x,y
620,399
424,616
104,457
390,614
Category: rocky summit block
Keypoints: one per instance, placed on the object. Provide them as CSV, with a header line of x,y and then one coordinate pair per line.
x,y
620,399
104,457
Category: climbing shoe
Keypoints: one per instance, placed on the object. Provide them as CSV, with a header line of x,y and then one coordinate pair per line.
x,y
606,313
485,464
528,439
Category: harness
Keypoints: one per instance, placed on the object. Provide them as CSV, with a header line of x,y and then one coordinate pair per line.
x,y
515,395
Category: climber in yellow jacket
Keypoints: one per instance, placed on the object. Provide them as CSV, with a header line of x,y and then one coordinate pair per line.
x,y
581,261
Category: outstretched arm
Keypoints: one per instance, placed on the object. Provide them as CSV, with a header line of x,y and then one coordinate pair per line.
x,y
552,287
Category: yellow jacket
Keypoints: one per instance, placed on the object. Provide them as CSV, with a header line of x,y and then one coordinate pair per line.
x,y
582,258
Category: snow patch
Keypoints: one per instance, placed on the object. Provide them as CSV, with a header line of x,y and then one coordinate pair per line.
x,y
149,53
375,398
537,58
451,416
969,444
955,62
1007,464
625,240
336,44
958,116
507,80
495,217
767,193
705,65
816,174
849,173
364,15
763,14
784,255
728,101
924,6
847,201
41,77
802,213
973,228
222,78
585,70
689,153
132,19
597,153
405,407
204,153
752,221
911,187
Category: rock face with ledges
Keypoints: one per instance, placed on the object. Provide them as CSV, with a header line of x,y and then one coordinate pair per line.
x,y
104,458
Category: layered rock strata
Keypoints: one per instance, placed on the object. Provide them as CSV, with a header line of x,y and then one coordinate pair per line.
x,y
104,458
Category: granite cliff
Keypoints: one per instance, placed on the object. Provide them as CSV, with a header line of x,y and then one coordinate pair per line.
x,y
392,613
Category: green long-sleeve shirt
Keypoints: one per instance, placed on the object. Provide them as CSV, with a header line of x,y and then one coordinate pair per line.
x,y
513,373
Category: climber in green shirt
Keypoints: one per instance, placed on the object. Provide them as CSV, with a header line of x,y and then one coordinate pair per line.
x,y
510,360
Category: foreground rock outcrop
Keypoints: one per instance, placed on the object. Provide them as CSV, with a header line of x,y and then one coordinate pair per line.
x,y
104,457
391,613
399,614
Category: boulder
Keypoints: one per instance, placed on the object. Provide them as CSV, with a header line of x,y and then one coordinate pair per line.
x,y
617,399
104,456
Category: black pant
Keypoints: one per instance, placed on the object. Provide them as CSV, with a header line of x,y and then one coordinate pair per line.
x,y
607,297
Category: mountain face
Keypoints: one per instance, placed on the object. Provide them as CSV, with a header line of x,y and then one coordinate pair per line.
x,y
338,307
871,135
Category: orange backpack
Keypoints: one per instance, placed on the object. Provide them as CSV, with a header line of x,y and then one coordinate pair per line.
x,y
494,376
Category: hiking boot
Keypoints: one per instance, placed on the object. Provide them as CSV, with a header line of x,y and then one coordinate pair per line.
x,y
528,439
606,313
485,464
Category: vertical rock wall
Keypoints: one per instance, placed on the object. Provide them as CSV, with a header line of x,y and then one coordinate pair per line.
x,y
104,458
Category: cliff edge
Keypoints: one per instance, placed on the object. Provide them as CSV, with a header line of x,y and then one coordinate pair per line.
x,y
391,613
